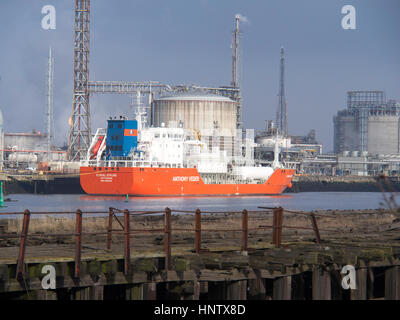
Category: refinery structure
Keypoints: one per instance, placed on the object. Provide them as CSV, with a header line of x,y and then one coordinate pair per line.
x,y
366,134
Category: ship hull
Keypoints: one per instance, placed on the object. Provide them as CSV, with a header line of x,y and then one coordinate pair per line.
x,y
172,182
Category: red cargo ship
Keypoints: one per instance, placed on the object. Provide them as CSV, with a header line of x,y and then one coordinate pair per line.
x,y
172,182
168,162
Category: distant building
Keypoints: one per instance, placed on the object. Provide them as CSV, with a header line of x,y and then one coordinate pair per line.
x,y
25,141
369,124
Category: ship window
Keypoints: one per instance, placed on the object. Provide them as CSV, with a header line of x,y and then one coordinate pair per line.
x,y
117,169
116,137
111,126
106,169
120,126
157,135
99,169
94,168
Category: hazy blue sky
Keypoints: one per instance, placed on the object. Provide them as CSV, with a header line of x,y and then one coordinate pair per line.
x,y
177,41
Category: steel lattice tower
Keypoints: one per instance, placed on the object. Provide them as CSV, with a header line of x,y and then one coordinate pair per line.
x,y
235,72
80,133
281,115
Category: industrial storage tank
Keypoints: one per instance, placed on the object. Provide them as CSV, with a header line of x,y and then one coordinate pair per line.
x,y
196,111
383,134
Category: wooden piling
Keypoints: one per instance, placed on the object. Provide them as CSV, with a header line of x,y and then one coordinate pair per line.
x,y
245,231
78,242
149,291
315,227
236,290
321,285
198,231
109,229
282,288
134,292
167,238
96,293
392,283
277,226
360,293
256,289
127,242
22,244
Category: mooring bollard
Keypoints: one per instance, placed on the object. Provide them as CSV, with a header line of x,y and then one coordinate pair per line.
x,y
109,230
22,245
127,251
167,238
198,231
78,242
245,231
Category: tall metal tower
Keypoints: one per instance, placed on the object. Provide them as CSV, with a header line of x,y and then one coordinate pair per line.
x,y
281,115
235,72
80,133
49,118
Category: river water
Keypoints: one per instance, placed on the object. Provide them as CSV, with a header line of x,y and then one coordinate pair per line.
x,y
301,201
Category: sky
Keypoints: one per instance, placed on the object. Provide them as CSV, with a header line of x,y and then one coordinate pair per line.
x,y
189,42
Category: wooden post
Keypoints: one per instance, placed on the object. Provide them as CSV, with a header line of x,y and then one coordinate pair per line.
x,y
360,293
109,230
96,293
127,247
196,290
315,228
256,289
236,290
245,231
82,293
279,227
282,288
149,291
198,231
217,290
134,292
392,283
274,226
371,280
78,242
22,245
321,285
167,238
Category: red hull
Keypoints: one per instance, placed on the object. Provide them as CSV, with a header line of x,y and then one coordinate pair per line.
x,y
172,182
